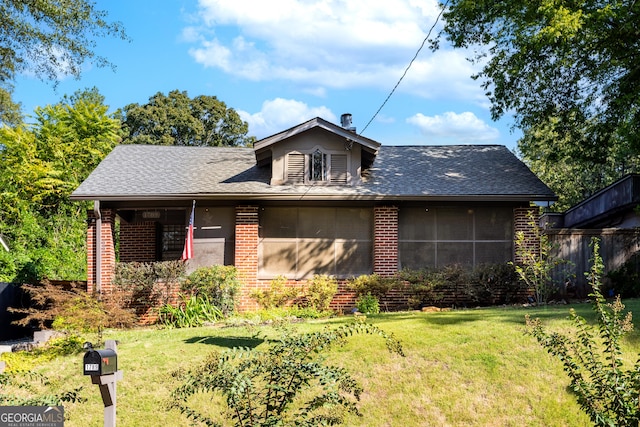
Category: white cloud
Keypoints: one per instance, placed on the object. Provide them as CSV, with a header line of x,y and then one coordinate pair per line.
x,y
279,114
330,43
464,127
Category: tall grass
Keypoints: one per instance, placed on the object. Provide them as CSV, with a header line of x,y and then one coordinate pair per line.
x,y
462,368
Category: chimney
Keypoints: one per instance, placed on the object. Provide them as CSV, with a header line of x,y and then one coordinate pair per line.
x,y
345,121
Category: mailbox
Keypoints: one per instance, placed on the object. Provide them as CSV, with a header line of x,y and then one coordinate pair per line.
x,y
100,362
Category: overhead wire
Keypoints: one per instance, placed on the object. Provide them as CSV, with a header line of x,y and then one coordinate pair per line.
x,y
408,67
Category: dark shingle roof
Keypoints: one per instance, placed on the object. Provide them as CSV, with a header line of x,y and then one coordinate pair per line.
x,y
489,172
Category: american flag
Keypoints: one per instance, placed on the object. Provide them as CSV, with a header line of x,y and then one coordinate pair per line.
x,y
187,252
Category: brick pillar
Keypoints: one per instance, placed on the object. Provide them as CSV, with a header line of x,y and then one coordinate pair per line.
x,y
246,252
107,250
522,222
385,240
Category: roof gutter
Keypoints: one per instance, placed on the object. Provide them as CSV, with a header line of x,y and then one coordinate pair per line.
x,y
322,197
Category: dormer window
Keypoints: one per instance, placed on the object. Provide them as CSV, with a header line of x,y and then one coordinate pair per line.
x,y
317,167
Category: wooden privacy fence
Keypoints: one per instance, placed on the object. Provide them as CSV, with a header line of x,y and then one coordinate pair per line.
x,y
573,245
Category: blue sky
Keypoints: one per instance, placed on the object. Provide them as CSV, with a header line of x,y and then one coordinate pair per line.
x,y
282,62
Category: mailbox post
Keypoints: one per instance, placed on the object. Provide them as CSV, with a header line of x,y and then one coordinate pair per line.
x,y
102,365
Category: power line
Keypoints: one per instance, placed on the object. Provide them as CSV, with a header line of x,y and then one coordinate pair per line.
x,y
408,67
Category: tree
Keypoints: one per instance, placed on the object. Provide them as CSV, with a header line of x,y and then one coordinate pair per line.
x,y
575,63
51,38
553,154
176,119
40,165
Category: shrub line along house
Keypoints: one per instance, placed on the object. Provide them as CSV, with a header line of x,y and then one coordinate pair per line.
x,y
314,199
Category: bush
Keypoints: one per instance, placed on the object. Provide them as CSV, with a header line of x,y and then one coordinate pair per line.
x,y
495,284
592,357
219,283
373,284
368,304
625,280
288,383
320,291
69,308
425,286
148,284
278,295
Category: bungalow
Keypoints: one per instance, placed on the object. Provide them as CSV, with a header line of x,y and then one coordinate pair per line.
x,y
314,199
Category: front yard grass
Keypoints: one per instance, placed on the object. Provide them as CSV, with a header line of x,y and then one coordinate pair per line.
x,y
462,368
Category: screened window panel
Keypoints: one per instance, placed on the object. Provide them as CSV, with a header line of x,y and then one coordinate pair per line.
x,y
278,257
354,223
278,222
493,252
417,255
318,223
455,253
316,256
494,223
354,257
455,224
339,168
417,224
327,241
295,167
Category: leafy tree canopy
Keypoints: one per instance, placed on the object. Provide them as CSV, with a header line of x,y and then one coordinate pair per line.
x,y
176,119
49,39
567,68
40,165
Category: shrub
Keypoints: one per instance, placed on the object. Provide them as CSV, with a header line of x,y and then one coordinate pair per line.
x,y
625,280
219,283
320,291
368,304
69,308
285,384
592,357
148,284
278,295
425,286
495,284
193,311
373,284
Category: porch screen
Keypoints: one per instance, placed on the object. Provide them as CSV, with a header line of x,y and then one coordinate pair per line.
x,y
436,237
301,242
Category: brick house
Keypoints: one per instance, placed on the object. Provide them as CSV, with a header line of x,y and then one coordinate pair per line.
x,y
314,199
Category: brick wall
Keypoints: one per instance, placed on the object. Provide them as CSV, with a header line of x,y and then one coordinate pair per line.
x,y
522,223
138,242
385,240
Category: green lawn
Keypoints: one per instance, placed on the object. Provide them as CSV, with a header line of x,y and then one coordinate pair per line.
x,y
462,368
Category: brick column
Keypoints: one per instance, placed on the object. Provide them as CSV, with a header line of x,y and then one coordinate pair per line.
x,y
522,222
385,240
246,252
107,250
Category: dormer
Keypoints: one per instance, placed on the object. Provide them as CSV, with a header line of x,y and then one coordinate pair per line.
x,y
317,152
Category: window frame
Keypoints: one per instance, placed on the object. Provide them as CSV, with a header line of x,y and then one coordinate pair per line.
x,y
328,175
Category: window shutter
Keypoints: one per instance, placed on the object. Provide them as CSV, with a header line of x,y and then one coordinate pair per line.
x,y
339,169
295,167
